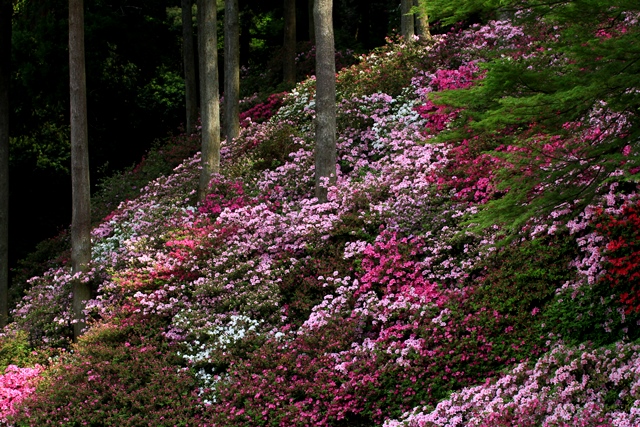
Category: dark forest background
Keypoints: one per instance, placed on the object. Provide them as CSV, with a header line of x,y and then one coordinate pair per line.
x,y
135,88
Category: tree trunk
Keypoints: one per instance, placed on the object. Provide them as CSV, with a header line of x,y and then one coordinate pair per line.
x,y
81,204
191,95
422,21
289,47
231,69
325,150
5,78
209,94
407,29
312,25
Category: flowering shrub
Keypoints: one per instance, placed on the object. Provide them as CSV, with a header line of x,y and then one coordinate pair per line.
x,y
567,387
16,384
45,312
115,376
622,255
263,111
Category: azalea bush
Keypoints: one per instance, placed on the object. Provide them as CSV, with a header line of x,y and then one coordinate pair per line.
x,y
16,384
568,386
116,375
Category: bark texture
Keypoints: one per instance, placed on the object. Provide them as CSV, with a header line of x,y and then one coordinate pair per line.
x,y
289,46
325,143
209,94
231,69
407,29
422,22
188,58
5,77
81,203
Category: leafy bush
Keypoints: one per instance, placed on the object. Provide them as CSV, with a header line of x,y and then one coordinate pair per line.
x,y
115,376
15,350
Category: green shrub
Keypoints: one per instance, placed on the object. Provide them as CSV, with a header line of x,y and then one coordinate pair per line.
x,y
116,376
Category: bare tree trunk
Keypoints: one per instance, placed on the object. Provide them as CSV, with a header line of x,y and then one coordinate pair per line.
x,y
407,29
312,26
422,21
231,69
289,47
81,209
5,78
209,93
325,150
191,94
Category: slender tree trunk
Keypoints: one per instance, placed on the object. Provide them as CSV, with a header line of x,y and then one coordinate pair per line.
x,y
312,26
422,21
289,47
191,95
5,78
407,29
81,209
231,69
325,150
246,17
209,94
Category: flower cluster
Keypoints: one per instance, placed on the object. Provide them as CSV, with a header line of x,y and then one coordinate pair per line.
x,y
15,385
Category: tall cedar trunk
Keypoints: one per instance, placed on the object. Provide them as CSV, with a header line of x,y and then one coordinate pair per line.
x,y
188,57
231,69
312,25
289,47
209,93
422,22
325,150
407,29
5,76
81,204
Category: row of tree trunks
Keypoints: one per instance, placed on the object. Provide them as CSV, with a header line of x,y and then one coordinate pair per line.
x,y
5,74
325,152
81,203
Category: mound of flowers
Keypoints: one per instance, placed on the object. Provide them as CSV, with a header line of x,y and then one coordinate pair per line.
x,y
383,306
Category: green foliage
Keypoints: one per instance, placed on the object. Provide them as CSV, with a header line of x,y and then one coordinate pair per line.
x,y
521,279
15,350
164,93
117,375
274,151
576,88
382,71
300,288
590,313
450,12
48,149
525,275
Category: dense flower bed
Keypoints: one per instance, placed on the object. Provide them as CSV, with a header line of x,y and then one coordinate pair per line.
x,y
383,306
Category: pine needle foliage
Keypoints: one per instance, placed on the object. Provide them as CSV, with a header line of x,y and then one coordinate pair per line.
x,y
567,105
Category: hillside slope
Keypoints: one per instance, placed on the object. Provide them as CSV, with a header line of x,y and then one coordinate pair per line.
x,y
387,305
